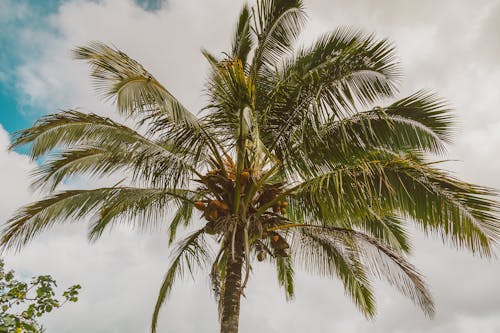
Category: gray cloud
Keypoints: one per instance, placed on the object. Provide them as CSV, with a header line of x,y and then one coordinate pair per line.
x,y
447,46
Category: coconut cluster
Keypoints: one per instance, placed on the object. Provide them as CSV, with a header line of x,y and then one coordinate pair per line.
x,y
218,211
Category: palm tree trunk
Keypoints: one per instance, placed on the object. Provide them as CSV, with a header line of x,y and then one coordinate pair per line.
x,y
232,289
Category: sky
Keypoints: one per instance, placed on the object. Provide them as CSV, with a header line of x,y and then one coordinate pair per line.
x,y
448,46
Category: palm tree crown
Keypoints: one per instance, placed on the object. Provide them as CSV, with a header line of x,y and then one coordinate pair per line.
x,y
288,163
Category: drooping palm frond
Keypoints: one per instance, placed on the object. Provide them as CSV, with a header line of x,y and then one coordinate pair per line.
x,y
335,258
77,204
376,258
73,127
100,146
456,210
388,229
143,209
69,163
384,128
285,272
143,164
183,216
190,252
427,109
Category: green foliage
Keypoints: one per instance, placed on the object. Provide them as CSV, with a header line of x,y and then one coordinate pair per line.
x,y
297,157
23,303
285,272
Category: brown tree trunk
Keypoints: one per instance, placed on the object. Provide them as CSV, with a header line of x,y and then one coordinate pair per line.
x,y
232,289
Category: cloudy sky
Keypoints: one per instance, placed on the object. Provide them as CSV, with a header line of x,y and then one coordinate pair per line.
x,y
448,46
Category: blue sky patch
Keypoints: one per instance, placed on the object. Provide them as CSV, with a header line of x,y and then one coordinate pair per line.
x,y
14,114
18,15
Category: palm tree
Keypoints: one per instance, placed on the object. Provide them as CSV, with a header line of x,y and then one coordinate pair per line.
x,y
288,163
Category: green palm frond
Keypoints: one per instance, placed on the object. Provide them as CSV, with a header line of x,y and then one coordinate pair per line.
x,y
141,208
387,264
416,124
100,146
74,205
183,216
69,163
456,210
243,39
384,128
72,127
329,81
231,91
427,109
285,272
277,26
190,252
389,229
335,258
129,85
378,259
342,69
138,94
147,164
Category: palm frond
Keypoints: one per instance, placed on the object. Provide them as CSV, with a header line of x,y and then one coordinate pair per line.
x,y
277,26
71,162
231,91
380,127
72,127
100,146
243,38
144,163
395,269
427,109
389,229
341,72
379,259
190,252
285,272
182,216
141,208
138,94
73,205
339,141
129,85
330,257
461,212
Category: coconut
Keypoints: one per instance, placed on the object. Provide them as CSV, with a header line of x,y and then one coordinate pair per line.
x,y
245,177
199,205
212,213
219,205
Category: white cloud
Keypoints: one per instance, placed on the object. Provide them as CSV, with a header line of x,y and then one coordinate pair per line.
x,y
122,272
14,177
